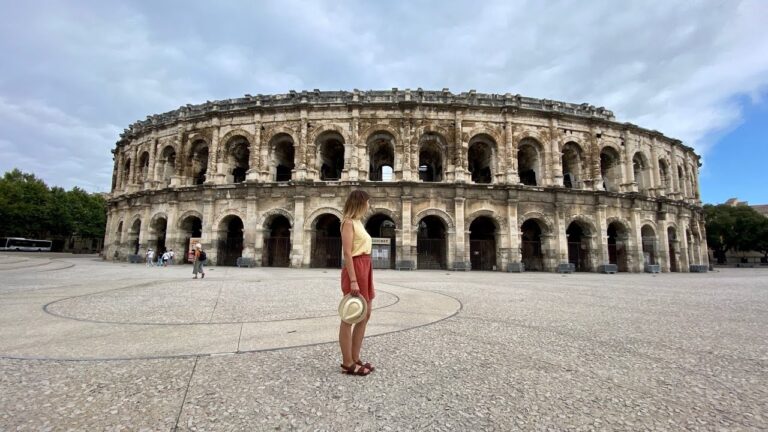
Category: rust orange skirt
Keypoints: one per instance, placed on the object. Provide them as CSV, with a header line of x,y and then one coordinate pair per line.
x,y
364,273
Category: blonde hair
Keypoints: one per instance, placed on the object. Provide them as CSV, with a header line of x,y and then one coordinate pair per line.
x,y
355,207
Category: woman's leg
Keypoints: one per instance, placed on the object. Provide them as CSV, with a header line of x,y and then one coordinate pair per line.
x,y
358,333
345,343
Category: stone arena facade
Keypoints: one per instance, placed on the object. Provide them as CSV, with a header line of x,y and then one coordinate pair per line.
x,y
457,181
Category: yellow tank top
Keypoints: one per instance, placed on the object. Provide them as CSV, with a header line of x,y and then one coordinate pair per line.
x,y
361,242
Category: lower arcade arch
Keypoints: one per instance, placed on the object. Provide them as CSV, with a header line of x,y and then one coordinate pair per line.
x,y
618,238
382,229
190,227
531,245
229,244
482,244
326,242
650,245
674,249
579,242
133,236
277,242
158,229
431,244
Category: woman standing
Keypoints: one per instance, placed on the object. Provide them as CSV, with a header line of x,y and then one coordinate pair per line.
x,y
356,279
197,265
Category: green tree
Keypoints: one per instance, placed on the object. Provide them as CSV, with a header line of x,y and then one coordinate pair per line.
x,y
732,228
24,205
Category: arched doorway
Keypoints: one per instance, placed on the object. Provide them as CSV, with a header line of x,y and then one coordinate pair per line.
x,y
482,244
528,162
166,166
610,169
133,236
618,236
380,227
480,158
578,246
143,174
230,242
381,153
673,249
277,242
572,163
237,158
326,242
431,147
159,227
283,154
640,168
190,227
650,248
531,247
431,244
331,160
198,162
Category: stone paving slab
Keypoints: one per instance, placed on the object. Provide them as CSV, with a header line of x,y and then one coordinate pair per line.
x,y
520,352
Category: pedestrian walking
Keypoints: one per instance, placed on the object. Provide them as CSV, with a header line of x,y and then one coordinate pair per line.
x,y
200,259
150,257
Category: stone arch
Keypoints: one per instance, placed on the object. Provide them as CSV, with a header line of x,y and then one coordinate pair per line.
x,y
268,215
324,128
641,168
381,127
482,160
281,151
156,216
583,242
665,174
225,214
229,137
440,214
381,151
281,130
431,156
586,221
312,218
142,169
166,162
649,235
546,223
573,162
530,161
501,224
187,214
395,216
623,222
331,154
611,167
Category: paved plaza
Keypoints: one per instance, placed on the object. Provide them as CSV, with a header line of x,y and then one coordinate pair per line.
x,y
91,345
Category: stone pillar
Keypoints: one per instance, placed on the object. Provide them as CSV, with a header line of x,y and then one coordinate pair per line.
x,y
144,231
513,176
131,186
515,252
560,239
254,169
685,259
212,175
121,174
150,182
177,179
209,230
460,261
655,177
638,264
663,252
461,173
405,246
351,157
299,254
172,239
630,183
556,158
407,158
250,228
602,234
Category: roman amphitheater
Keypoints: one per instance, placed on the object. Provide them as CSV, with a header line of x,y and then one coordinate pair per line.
x,y
464,181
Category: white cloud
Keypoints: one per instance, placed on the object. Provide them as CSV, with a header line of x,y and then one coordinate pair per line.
x,y
82,68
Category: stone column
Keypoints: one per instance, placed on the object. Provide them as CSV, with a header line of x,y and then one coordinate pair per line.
x,y
602,234
515,253
405,245
461,173
560,238
663,252
556,159
299,255
407,158
121,174
685,259
131,187
655,177
627,165
209,230
177,179
250,228
172,239
254,168
460,261
144,231
351,158
212,175
639,259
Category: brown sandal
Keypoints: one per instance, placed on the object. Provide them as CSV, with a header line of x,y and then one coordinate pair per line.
x,y
355,369
366,365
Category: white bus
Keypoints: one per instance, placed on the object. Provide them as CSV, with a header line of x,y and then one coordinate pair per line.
x,y
22,244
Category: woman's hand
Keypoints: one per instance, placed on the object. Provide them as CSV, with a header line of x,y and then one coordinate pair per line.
x,y
355,289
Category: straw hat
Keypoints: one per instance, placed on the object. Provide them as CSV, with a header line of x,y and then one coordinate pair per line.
x,y
353,309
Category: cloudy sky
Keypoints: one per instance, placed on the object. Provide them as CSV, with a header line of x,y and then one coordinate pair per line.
x,y
75,73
